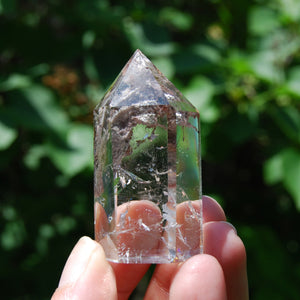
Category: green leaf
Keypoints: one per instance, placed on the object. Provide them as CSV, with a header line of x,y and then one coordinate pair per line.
x,y
88,39
34,155
13,235
7,136
210,53
290,9
15,81
238,62
139,39
291,174
273,169
65,224
78,153
200,93
43,101
46,231
35,107
90,67
165,65
39,70
264,67
288,120
285,167
293,82
262,20
176,18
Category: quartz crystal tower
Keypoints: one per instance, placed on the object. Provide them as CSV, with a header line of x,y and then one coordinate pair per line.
x,y
147,179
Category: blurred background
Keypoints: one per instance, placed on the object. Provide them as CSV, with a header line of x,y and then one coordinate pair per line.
x,y
237,61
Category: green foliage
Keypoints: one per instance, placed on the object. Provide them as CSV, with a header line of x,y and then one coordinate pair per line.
x,y
285,167
238,63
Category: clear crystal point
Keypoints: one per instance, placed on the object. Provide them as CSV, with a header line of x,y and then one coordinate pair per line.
x,y
147,179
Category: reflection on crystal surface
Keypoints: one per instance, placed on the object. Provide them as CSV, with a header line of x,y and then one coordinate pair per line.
x,y
147,180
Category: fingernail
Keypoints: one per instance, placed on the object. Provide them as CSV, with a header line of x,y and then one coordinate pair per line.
x,y
77,261
230,226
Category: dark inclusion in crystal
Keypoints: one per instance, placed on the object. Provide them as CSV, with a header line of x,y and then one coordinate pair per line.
x,y
147,180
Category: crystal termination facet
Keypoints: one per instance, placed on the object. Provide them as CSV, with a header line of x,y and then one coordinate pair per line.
x,y
147,177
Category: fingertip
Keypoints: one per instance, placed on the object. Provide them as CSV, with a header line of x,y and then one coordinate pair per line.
x,y
78,259
200,277
87,274
212,210
222,242
142,221
234,262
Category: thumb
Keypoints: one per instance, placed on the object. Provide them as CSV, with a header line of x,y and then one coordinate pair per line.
x,y
86,275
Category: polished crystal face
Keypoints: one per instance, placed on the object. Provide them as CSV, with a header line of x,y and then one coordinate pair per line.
x,y
147,178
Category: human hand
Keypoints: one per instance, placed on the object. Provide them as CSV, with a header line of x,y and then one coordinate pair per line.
x,y
218,274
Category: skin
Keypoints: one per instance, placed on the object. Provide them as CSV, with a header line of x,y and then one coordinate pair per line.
x,y
218,274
